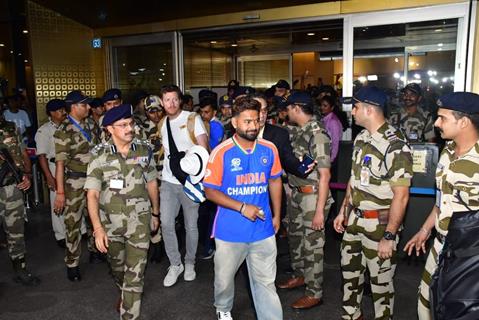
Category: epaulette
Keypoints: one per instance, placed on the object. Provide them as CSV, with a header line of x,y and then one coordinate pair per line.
x,y
394,136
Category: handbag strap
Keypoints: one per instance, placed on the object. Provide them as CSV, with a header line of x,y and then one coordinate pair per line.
x,y
171,141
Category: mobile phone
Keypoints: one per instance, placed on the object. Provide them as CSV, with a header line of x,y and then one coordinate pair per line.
x,y
307,160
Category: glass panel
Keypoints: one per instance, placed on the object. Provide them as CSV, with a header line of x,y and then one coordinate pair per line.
x,y
391,56
205,67
262,74
144,67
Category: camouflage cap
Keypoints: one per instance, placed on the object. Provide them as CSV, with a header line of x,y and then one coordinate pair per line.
x,y
152,103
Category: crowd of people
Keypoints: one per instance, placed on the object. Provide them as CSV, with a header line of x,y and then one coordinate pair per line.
x,y
241,169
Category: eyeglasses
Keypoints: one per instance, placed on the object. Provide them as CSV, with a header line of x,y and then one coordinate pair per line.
x,y
123,126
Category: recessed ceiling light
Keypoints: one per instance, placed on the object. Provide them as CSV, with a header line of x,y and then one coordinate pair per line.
x,y
213,42
439,44
2,45
25,31
25,60
311,33
234,44
437,30
325,38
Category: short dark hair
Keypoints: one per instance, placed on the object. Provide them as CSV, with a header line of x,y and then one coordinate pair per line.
x,y
330,100
186,98
208,101
171,88
474,117
245,103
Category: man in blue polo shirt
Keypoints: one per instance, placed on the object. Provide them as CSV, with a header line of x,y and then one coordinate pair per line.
x,y
242,174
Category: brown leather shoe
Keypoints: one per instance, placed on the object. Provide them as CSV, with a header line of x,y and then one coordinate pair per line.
x,y
118,304
292,283
306,302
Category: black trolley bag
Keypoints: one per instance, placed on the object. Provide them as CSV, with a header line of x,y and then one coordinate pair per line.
x,y
454,290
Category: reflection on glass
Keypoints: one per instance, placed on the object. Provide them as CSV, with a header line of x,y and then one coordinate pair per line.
x,y
145,67
264,73
391,56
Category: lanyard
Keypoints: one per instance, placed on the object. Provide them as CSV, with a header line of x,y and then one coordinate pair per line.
x,y
83,132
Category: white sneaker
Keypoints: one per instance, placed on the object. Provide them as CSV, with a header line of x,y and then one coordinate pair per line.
x,y
172,275
224,315
190,273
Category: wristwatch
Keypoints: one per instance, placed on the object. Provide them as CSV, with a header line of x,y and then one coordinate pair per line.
x,y
389,235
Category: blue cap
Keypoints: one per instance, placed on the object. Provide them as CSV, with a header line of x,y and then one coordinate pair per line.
x,y
111,94
239,91
300,98
225,100
76,96
280,102
55,104
283,84
371,95
96,102
123,111
466,102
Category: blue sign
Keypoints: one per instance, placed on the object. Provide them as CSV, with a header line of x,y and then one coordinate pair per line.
x,y
96,43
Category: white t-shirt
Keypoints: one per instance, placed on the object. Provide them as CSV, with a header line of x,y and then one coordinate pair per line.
x,y
21,119
182,139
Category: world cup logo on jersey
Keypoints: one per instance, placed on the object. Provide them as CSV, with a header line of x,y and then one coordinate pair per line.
x,y
236,164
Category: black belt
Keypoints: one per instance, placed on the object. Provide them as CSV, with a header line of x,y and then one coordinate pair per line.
x,y
52,160
73,174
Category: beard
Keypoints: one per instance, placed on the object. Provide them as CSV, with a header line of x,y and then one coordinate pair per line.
x,y
249,135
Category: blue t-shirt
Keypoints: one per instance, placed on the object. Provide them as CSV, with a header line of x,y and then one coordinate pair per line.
x,y
216,133
243,175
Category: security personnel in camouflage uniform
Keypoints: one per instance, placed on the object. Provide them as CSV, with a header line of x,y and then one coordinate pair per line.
x,y
121,181
226,103
374,206
457,181
310,202
74,140
416,124
12,210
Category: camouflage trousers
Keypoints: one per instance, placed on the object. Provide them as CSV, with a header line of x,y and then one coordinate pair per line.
x,y
305,244
359,250
423,307
13,214
75,210
129,239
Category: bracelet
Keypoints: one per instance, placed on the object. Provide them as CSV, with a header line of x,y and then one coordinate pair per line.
x,y
155,215
97,229
243,205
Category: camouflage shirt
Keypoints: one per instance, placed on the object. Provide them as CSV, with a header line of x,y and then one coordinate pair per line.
x,y
418,127
380,161
158,150
457,181
310,139
72,147
121,181
10,140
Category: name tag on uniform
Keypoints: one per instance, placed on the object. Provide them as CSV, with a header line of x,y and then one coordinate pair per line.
x,y
116,184
364,177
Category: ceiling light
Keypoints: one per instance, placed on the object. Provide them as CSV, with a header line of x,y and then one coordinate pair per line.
x,y
124,64
362,79
234,44
437,30
2,45
213,42
311,33
440,49
372,77
439,44
25,60
417,76
396,59
445,79
325,38
141,69
417,64
396,75
25,31
11,51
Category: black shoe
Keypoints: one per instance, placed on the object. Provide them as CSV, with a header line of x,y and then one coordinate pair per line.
x,y
25,278
61,243
73,274
97,257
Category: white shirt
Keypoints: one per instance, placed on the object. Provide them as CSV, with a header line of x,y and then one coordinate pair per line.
x,y
21,119
45,142
182,140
